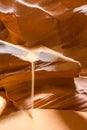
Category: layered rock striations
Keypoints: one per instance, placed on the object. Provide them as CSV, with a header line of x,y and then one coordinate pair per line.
x,y
60,25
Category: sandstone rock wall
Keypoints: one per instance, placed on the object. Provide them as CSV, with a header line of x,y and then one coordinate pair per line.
x,y
60,25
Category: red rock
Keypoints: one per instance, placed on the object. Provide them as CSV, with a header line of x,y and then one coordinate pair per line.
x,y
58,25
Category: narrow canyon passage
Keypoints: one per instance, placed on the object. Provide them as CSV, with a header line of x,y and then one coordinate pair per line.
x,y
43,64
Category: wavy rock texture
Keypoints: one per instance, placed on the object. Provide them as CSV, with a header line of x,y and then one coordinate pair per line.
x,y
60,25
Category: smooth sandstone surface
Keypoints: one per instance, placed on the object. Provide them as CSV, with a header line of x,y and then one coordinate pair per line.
x,y
44,119
14,59
60,25
52,71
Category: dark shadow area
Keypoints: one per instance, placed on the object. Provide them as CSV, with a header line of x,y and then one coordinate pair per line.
x,y
9,108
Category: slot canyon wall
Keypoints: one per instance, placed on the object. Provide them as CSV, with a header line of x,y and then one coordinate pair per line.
x,y
60,25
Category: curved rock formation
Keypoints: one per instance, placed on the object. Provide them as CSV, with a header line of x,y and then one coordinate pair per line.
x,y
60,25
49,65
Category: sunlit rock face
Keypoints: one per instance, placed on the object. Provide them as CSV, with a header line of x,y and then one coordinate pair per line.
x,y
60,25
47,62
52,71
